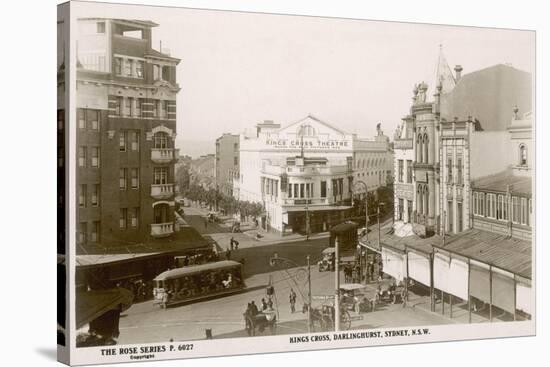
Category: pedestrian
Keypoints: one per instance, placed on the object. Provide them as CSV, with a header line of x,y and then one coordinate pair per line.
x,y
264,304
231,243
236,244
292,299
254,308
270,303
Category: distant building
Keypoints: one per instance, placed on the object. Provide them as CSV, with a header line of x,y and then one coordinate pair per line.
x,y
307,171
227,162
126,128
203,171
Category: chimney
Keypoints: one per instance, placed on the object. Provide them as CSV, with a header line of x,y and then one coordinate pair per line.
x,y
458,72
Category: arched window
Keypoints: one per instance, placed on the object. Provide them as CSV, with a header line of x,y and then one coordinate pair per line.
x,y
426,201
419,200
419,149
426,146
522,155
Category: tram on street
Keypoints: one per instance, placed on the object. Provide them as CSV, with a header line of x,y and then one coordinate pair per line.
x,y
196,282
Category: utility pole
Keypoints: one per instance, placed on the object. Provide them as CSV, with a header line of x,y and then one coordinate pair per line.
x,y
337,286
308,295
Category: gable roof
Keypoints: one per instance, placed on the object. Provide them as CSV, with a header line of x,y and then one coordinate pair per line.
x,y
489,95
322,122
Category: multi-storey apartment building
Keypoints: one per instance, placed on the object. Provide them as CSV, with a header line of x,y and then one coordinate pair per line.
x,y
227,162
126,129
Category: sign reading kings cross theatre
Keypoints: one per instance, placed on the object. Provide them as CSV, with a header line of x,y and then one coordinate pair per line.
x,y
308,144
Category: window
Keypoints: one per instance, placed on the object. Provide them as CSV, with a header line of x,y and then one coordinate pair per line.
x,y
128,106
137,111
134,140
522,155
83,232
426,146
401,209
122,178
449,170
162,109
161,141
296,191
302,190
118,106
100,27
139,69
94,235
235,161
155,108
134,217
95,195
409,171
82,156
156,72
128,67
118,65
92,117
122,141
459,179
400,170
95,157
160,176
289,190
82,196
123,219
135,178
235,146
81,118
419,149
165,73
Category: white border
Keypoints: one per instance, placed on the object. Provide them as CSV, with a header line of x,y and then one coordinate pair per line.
x,y
29,236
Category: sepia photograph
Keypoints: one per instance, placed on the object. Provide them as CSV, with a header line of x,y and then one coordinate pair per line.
x,y
241,175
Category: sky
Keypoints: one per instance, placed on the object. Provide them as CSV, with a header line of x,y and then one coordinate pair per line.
x,y
239,69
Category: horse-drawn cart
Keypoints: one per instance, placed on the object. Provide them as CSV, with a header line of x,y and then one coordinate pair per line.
x,y
266,319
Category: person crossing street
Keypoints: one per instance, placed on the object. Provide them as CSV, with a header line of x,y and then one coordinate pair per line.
x,y
292,299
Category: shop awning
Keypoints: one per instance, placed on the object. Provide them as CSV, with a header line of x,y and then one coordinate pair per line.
x,y
509,254
93,304
315,208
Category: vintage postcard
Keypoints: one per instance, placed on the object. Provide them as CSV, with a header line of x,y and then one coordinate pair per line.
x,y
237,183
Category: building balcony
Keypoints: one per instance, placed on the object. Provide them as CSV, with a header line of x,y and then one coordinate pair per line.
x,y
163,191
162,155
160,230
303,201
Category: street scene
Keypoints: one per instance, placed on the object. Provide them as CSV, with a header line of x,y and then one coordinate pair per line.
x,y
346,185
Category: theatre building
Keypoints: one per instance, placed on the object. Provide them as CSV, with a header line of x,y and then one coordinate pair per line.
x,y
303,173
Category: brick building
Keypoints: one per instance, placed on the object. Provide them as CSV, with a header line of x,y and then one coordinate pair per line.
x,y
126,129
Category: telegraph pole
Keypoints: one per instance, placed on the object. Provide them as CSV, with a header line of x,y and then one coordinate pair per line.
x,y
308,295
337,286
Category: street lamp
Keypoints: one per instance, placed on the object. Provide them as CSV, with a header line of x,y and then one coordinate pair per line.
x,y
366,209
378,219
276,259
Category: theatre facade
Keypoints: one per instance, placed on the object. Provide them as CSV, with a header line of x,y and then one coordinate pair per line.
x,y
303,173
